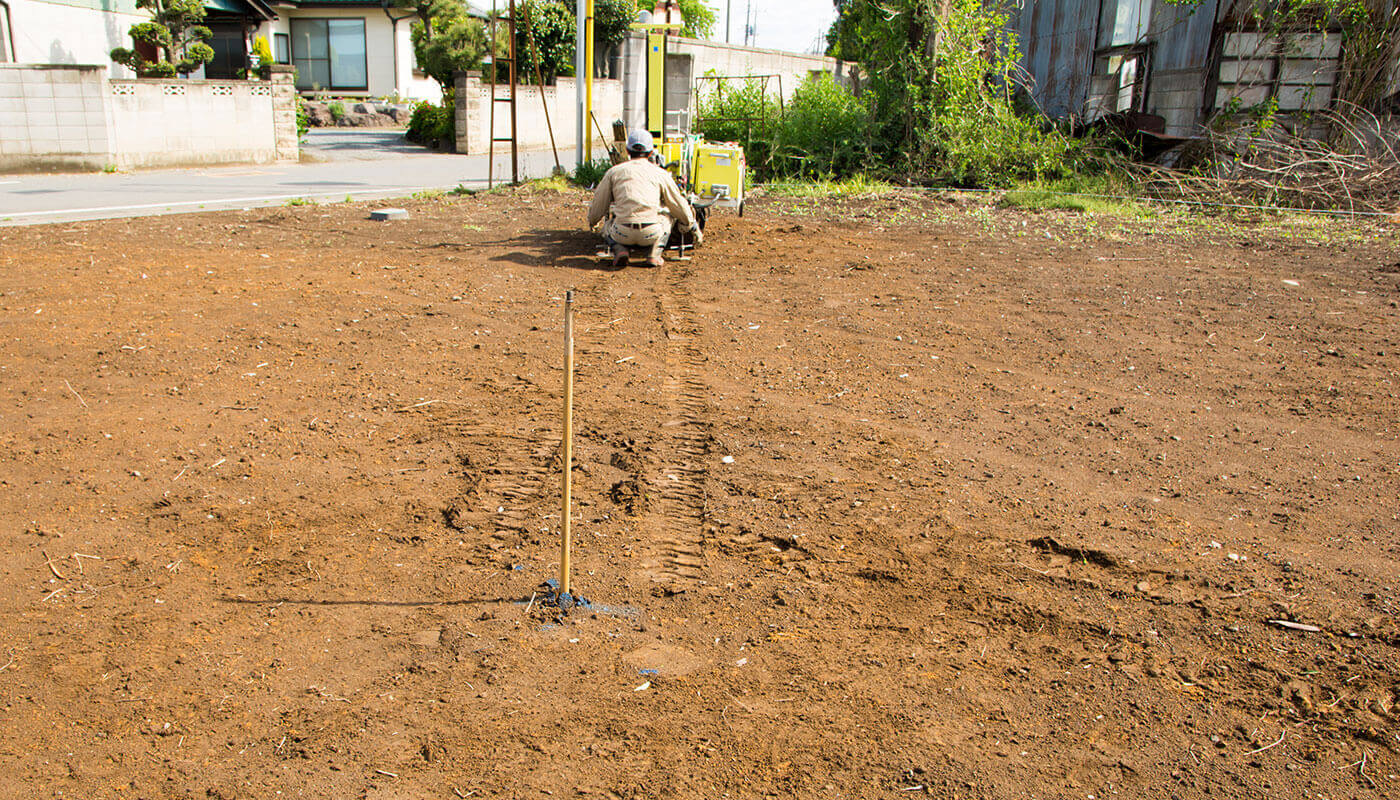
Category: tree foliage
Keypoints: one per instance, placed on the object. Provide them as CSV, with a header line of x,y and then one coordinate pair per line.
x,y
555,25
180,42
446,39
697,15
941,81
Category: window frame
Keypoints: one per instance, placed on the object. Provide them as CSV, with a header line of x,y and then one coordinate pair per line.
x,y
7,35
1139,50
1280,56
282,48
1141,54
1108,23
330,62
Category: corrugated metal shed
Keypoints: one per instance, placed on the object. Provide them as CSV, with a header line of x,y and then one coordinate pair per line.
x,y
1062,45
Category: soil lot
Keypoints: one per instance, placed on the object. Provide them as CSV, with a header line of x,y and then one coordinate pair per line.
x,y
873,498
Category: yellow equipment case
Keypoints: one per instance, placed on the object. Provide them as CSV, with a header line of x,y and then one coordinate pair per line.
x,y
718,173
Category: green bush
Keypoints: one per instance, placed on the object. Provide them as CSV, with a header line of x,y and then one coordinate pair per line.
x,y
303,120
942,93
824,130
430,123
337,109
449,40
263,51
741,112
589,173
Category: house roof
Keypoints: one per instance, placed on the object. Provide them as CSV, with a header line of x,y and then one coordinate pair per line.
x,y
247,8
315,3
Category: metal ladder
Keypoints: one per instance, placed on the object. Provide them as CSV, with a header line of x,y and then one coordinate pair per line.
x,y
509,99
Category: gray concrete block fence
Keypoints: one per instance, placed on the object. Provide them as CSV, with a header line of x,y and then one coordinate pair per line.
x,y
73,118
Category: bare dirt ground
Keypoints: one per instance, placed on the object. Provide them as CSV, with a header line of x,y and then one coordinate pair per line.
x,y
874,498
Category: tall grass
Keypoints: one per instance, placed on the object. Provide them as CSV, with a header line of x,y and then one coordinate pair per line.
x,y
589,173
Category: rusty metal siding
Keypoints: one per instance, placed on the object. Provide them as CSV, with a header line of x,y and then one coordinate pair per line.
x,y
1059,38
1181,35
1057,42
1180,70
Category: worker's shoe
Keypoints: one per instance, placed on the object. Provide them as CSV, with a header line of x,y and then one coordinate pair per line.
x,y
655,261
619,257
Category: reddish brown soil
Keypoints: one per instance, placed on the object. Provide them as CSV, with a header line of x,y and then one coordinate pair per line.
x,y
1012,501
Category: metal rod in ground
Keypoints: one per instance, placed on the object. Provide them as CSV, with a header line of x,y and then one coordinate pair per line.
x,y
566,541
539,81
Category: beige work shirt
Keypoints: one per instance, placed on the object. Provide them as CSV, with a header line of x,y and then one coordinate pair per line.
x,y
635,192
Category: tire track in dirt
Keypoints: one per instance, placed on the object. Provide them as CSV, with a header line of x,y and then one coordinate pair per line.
x,y
678,521
526,465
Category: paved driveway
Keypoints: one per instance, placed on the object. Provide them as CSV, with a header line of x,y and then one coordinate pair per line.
x,y
359,144
339,164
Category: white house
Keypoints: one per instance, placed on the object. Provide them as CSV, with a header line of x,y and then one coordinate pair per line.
x,y
348,48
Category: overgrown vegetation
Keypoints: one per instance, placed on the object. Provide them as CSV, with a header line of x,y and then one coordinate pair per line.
x,y
1109,193
446,39
180,42
589,173
854,186
430,123
1341,156
942,95
939,105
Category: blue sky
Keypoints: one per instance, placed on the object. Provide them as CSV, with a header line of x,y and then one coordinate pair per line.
x,y
794,25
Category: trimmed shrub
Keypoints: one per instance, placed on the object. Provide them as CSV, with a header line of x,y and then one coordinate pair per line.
x,y
431,123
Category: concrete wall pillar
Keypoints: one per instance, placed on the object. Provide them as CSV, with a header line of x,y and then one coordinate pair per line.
x,y
284,110
462,96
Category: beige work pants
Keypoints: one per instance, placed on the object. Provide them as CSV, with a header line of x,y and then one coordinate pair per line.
x,y
653,235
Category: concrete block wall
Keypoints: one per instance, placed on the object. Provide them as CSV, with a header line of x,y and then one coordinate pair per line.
x,y
729,59
53,117
723,59
61,118
473,114
165,123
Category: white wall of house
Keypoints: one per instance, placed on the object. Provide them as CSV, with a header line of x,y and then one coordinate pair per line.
x,y
73,31
388,47
412,83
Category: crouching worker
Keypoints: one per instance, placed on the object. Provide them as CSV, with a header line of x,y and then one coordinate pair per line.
x,y
640,201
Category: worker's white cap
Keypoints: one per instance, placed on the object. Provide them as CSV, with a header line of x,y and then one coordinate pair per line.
x,y
639,141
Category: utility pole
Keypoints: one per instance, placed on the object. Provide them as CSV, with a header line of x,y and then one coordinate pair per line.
x,y
581,129
728,15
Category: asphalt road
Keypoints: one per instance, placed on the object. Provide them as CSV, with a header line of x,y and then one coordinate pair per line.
x,y
336,164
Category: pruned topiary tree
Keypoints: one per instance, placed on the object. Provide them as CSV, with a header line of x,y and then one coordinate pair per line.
x,y
180,43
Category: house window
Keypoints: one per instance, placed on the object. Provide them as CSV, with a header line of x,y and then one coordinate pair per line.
x,y
330,54
1119,82
283,46
1122,58
1124,22
1297,69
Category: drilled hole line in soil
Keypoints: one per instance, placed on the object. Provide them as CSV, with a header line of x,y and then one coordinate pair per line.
x,y
676,551
524,472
